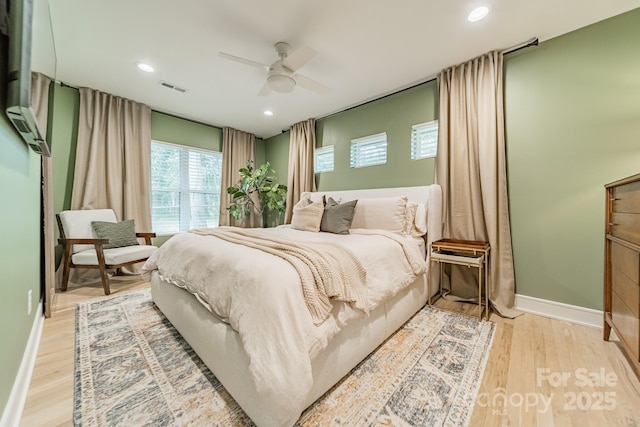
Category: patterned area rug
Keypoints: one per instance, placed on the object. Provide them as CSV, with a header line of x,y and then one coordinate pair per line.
x,y
133,368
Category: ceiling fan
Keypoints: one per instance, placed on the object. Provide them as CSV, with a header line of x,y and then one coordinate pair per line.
x,y
281,75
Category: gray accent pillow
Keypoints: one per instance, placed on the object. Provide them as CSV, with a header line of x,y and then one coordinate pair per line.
x,y
337,216
119,233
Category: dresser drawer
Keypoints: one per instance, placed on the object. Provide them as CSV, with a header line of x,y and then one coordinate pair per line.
x,y
627,323
625,260
626,226
627,291
626,198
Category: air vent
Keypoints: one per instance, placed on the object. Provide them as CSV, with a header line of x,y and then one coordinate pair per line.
x,y
172,86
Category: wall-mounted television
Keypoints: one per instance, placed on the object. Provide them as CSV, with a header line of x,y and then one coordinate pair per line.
x,y
20,27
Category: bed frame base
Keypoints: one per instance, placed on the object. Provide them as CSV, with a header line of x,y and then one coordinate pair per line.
x,y
221,350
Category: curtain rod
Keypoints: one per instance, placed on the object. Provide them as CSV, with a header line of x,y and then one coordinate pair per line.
x,y
531,42
420,83
63,84
187,119
524,45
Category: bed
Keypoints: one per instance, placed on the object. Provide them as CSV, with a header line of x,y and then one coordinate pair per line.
x,y
272,383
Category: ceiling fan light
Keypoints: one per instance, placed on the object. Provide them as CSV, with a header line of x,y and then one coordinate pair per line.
x,y
281,83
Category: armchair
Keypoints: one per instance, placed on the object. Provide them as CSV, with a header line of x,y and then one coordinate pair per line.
x,y
83,250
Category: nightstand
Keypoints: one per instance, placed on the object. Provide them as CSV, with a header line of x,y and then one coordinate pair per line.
x,y
470,253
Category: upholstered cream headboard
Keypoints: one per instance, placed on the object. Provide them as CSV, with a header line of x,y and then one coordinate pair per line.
x,y
430,195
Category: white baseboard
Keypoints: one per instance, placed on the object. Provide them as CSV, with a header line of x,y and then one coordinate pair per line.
x,y
560,311
13,411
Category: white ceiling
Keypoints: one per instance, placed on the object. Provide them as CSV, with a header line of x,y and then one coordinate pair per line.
x,y
365,48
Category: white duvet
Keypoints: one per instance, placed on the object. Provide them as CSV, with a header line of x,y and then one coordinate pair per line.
x,y
259,295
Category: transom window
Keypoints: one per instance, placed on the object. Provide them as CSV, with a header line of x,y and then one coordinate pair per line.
x,y
323,159
369,150
185,187
424,140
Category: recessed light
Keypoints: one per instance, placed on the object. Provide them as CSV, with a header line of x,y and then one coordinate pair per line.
x,y
478,14
268,113
145,67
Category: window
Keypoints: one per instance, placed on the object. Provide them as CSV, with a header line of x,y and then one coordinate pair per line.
x,y
323,159
424,140
185,187
369,150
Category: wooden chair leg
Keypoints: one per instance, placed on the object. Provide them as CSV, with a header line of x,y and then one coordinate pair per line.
x,y
103,271
105,279
65,269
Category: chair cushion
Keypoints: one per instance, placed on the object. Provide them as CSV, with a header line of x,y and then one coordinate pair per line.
x,y
77,224
119,233
114,256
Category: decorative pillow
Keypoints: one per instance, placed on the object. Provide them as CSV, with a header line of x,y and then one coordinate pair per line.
x,y
119,233
307,215
410,217
337,216
386,213
420,223
416,219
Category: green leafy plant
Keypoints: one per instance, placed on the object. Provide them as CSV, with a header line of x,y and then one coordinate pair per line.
x,y
256,192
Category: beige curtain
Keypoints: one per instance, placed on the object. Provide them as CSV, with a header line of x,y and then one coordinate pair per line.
x,y
237,149
302,141
112,169
470,167
113,157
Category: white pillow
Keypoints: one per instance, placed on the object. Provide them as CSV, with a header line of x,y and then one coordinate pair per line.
x,y
416,225
386,213
307,215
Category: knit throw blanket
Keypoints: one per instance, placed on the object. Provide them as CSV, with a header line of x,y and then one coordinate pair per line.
x,y
327,271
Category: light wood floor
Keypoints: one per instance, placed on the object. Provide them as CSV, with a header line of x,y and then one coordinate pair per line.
x,y
541,372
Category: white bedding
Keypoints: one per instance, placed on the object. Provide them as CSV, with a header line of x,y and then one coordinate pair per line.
x,y
259,296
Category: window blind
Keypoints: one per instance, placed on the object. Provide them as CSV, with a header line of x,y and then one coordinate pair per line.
x,y
369,150
185,187
424,140
323,159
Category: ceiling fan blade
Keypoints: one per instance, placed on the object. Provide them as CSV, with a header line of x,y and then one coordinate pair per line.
x,y
312,85
297,59
265,90
243,60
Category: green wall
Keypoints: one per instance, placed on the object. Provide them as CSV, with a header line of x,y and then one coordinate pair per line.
x,y
394,114
277,154
64,138
572,116
173,129
572,125
20,243
168,128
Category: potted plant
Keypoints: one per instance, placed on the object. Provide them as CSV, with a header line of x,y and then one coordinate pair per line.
x,y
257,192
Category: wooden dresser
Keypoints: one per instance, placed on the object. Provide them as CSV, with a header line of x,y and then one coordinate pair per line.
x,y
622,265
